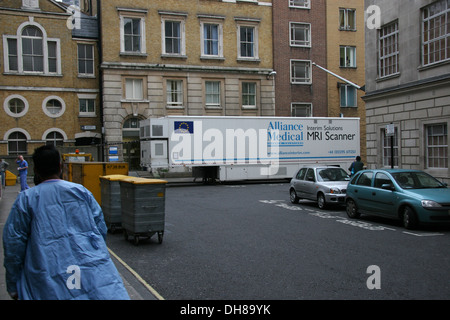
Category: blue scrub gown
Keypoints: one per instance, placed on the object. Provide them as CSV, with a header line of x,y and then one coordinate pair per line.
x,y
23,174
54,246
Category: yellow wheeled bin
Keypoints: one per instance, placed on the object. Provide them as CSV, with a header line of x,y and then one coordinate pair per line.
x,y
88,174
111,200
143,208
10,178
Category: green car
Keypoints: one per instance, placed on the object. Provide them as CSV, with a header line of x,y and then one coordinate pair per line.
x,y
412,196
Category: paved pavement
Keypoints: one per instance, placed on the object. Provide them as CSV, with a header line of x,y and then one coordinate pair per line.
x,y
134,285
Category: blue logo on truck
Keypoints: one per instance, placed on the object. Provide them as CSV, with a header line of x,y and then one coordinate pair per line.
x,y
184,127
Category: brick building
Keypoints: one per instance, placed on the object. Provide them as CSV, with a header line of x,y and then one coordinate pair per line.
x,y
299,37
182,58
49,81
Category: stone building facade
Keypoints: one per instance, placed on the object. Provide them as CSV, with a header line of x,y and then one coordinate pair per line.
x,y
49,82
408,85
183,58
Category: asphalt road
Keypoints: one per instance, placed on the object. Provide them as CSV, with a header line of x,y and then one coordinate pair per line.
x,y
247,242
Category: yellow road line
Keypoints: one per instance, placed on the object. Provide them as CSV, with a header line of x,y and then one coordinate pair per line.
x,y
149,287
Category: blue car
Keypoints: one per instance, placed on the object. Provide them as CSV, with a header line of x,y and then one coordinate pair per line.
x,y
412,196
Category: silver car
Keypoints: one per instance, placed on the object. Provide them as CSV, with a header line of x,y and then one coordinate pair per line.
x,y
324,184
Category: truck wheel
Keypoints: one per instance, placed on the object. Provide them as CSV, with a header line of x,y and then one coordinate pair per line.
x,y
293,196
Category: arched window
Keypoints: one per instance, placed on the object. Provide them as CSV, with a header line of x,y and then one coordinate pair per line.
x,y
131,127
54,138
17,143
32,49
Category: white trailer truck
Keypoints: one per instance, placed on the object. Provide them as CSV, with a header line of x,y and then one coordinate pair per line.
x,y
246,148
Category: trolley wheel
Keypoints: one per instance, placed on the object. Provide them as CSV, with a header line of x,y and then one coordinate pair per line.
x,y
136,240
125,234
160,237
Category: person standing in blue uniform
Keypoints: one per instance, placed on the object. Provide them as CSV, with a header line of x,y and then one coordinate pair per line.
x,y
54,240
23,171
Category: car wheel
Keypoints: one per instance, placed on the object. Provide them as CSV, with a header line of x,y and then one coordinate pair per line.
x,y
409,218
352,209
321,201
293,196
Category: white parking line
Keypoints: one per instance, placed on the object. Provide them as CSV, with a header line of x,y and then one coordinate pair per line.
x,y
350,222
423,234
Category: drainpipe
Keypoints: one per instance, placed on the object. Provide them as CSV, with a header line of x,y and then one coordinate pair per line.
x,y
100,76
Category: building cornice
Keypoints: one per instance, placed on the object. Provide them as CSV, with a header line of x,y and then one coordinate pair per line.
x,y
420,84
184,68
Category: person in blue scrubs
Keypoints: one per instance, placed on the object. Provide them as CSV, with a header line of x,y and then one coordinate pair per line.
x,y
54,240
23,171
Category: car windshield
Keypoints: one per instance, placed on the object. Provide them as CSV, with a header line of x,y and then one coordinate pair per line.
x,y
332,174
416,180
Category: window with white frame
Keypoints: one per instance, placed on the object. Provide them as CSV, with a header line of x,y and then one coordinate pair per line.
x,y
249,95
86,105
248,41
54,138
437,146
212,94
173,35
31,52
436,32
302,4
85,59
12,62
348,95
174,93
387,150
301,110
53,106
132,32
347,19
15,106
52,48
347,55
388,50
212,39
17,143
134,89
32,49
300,35
301,72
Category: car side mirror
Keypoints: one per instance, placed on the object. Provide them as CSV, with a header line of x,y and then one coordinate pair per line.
x,y
388,186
